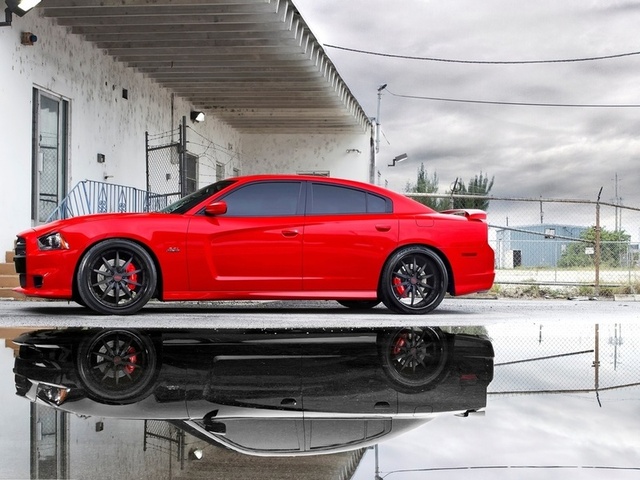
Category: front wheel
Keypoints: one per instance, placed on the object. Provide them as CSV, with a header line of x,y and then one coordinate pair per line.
x,y
117,366
116,277
414,280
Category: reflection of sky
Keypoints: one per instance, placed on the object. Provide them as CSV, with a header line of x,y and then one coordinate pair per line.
x,y
551,429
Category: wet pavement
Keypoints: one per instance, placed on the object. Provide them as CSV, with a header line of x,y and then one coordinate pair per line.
x,y
478,389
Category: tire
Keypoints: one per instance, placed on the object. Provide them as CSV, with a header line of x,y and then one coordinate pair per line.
x,y
414,281
117,366
414,359
359,304
116,277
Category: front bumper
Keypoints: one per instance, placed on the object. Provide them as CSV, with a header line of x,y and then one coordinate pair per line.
x,y
45,274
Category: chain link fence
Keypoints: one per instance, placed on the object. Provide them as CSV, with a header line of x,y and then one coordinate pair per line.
x,y
559,246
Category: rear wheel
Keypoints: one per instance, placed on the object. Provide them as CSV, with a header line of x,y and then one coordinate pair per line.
x,y
414,280
116,277
414,359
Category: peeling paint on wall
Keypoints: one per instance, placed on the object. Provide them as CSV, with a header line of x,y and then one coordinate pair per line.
x,y
112,106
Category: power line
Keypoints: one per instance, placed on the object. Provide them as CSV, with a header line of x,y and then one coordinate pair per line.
x,y
520,104
484,62
513,467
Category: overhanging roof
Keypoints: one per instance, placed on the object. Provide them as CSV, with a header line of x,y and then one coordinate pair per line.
x,y
253,63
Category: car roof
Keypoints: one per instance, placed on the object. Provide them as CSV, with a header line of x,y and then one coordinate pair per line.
x,y
398,198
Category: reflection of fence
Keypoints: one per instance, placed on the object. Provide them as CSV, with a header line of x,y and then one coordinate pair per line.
x,y
163,436
575,243
89,197
554,359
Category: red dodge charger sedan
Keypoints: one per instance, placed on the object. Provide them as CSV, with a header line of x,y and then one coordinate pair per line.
x,y
278,237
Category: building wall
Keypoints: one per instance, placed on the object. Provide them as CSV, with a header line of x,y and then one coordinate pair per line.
x,y
102,121
535,249
346,155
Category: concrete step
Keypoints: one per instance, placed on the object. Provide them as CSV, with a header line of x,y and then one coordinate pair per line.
x,y
6,293
7,269
9,281
9,278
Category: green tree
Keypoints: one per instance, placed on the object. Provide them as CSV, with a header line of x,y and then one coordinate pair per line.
x,y
480,185
425,184
613,249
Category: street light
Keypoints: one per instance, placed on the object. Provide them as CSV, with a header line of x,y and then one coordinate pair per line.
x,y
400,158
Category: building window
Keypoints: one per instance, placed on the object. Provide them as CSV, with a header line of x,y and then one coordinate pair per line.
x,y
190,174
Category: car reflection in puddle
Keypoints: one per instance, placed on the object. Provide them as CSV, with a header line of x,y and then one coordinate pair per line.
x,y
265,393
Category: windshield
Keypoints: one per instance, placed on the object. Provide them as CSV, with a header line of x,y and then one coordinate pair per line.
x,y
186,203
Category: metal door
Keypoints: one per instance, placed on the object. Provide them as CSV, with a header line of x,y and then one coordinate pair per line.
x,y
50,154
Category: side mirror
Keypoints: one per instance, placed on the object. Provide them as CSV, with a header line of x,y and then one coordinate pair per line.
x,y
217,428
215,208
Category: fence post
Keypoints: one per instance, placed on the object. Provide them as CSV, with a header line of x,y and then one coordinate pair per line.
x,y
597,247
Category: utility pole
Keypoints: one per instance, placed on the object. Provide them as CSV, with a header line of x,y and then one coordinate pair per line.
x,y
380,89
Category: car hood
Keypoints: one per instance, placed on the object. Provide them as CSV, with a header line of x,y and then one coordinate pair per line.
x,y
83,219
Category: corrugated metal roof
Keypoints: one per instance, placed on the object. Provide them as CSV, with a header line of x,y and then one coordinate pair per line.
x,y
254,63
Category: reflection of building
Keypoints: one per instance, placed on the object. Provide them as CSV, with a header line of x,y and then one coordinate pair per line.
x,y
539,245
49,443
62,444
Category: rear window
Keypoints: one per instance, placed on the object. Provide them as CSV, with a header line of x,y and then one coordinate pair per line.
x,y
335,199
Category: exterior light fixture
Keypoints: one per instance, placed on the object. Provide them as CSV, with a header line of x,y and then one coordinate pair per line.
x,y
19,7
400,158
197,116
196,454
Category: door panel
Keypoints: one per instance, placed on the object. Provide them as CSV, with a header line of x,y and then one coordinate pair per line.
x,y
346,253
255,247
348,234
245,254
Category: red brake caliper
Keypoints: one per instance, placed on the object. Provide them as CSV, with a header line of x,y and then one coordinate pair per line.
x,y
399,344
397,284
133,359
133,277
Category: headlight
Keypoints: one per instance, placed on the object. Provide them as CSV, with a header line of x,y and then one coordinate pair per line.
x,y
52,393
53,241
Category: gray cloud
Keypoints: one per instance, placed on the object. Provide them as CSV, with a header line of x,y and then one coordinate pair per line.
x,y
532,151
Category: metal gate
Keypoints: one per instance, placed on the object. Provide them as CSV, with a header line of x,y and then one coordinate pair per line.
x,y
166,167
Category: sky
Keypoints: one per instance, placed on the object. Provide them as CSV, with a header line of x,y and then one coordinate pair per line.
x,y
563,151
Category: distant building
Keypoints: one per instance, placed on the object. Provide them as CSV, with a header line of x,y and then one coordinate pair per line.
x,y
539,245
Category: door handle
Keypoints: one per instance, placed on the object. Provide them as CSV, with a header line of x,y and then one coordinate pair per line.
x,y
289,402
383,228
290,233
382,406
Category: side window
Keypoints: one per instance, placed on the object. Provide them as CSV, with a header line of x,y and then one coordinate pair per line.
x,y
335,199
376,204
264,199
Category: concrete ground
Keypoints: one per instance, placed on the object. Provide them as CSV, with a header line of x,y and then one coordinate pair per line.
x,y
453,311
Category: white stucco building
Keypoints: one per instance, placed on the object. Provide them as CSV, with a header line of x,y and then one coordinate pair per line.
x,y
79,102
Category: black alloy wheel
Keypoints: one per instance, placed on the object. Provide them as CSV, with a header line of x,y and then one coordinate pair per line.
x,y
414,281
414,359
116,277
117,366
